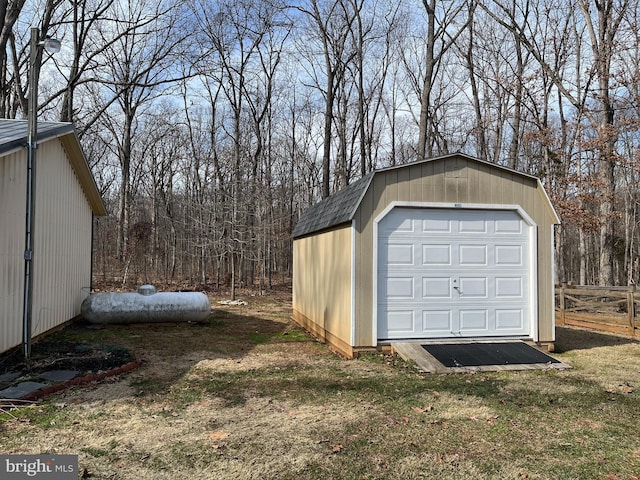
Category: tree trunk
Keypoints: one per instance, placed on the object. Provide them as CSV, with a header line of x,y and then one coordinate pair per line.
x,y
425,144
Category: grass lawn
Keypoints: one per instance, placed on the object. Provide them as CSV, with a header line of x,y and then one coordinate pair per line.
x,y
248,395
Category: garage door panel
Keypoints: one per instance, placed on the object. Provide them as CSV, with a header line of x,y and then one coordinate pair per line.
x,y
400,288
476,320
473,287
453,273
401,322
436,254
508,255
509,320
401,254
436,288
475,255
509,226
472,225
436,225
436,322
398,225
509,288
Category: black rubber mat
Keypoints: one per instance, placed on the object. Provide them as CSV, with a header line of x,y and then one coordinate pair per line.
x,y
479,354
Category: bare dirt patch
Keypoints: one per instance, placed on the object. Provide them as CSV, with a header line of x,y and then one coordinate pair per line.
x,y
65,355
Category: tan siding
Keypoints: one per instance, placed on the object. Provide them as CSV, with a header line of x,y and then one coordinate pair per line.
x,y
404,183
473,181
62,248
416,188
391,186
12,223
464,182
62,240
462,176
364,261
364,250
508,185
545,270
322,281
437,181
450,189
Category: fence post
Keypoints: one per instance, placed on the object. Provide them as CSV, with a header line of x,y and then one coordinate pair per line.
x,y
631,309
562,304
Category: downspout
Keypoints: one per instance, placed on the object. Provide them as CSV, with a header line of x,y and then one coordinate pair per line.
x,y
91,253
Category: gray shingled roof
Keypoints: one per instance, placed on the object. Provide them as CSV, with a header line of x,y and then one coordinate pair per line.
x,y
333,210
13,133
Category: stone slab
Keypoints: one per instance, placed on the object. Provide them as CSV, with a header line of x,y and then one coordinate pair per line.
x,y
9,377
22,389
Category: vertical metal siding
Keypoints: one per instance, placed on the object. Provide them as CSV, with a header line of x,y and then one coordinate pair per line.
x,y
62,250
62,245
12,223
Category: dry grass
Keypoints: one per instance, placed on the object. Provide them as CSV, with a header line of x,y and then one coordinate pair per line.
x,y
249,396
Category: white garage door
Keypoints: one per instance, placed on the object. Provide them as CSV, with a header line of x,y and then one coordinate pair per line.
x,y
453,273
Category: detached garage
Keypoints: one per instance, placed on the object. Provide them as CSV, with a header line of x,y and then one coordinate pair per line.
x,y
447,248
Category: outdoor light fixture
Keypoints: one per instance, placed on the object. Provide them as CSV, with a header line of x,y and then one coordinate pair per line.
x,y
51,45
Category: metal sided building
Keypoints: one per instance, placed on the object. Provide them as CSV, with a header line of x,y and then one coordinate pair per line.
x,y
66,198
447,248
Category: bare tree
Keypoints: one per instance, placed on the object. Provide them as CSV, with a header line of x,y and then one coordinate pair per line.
x,y
602,20
330,22
137,67
9,13
602,32
236,34
442,33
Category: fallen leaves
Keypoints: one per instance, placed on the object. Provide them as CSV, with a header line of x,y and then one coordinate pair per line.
x,y
426,409
220,435
491,420
625,388
169,411
217,438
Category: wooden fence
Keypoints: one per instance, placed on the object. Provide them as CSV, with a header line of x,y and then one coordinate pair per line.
x,y
609,309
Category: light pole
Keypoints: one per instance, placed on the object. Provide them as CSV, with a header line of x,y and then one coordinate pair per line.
x,y
52,46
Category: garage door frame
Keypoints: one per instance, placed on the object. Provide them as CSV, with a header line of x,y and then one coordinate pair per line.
x,y
533,248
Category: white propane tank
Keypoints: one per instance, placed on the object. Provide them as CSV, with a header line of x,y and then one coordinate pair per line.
x,y
146,306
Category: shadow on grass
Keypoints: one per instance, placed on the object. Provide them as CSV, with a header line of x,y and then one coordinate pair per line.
x,y
167,350
577,339
506,392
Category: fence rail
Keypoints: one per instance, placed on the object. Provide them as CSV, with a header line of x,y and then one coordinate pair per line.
x,y
609,309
